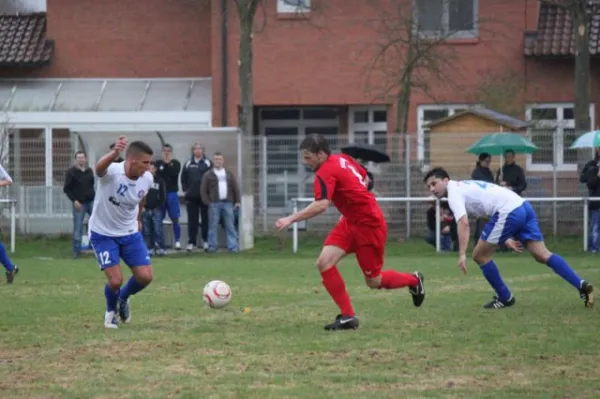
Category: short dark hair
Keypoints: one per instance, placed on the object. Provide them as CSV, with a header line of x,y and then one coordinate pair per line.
x,y
438,172
217,154
137,147
509,151
80,152
315,143
167,145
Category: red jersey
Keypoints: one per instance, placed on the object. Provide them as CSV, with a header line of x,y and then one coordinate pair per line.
x,y
341,180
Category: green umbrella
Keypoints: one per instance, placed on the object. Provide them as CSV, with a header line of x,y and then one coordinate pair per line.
x,y
587,140
498,143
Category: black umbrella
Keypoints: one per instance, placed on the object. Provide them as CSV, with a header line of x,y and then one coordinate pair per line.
x,y
366,152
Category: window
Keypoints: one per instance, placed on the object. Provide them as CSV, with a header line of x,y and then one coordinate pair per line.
x,y
443,18
293,6
425,115
553,132
368,125
285,176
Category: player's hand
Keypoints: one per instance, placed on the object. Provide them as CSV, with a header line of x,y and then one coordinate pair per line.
x,y
462,263
237,206
120,144
77,206
283,223
140,227
514,245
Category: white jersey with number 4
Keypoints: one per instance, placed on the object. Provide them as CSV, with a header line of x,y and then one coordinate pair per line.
x,y
480,198
116,206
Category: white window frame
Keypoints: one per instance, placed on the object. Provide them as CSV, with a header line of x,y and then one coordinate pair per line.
x,y
445,23
371,127
421,129
559,124
293,6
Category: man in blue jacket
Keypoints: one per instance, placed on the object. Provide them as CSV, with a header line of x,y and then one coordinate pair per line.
x,y
191,178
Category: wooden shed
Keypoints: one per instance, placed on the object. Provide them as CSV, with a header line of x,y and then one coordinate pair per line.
x,y
450,137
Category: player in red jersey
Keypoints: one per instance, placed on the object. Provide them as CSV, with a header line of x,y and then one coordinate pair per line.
x,y
362,229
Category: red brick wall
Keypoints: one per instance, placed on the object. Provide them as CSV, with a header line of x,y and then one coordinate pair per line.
x,y
322,60
129,39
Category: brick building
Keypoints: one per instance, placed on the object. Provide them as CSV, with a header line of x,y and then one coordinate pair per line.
x,y
312,63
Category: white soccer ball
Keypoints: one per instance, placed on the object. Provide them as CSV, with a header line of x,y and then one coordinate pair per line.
x,y
217,294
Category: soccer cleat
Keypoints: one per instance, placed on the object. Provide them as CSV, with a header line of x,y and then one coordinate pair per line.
x,y
418,291
10,275
124,311
343,323
586,292
496,303
110,320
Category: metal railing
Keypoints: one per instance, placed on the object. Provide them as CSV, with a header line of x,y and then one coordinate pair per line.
x,y
554,200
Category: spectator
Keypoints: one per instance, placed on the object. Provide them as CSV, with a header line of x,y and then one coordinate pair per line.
x,y
590,175
482,172
152,218
191,179
79,187
445,239
221,192
117,159
168,170
511,175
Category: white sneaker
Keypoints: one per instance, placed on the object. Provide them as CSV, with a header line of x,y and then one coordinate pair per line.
x,y
205,246
189,247
110,320
177,245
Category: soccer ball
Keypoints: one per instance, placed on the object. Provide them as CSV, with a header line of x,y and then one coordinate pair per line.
x,y
217,294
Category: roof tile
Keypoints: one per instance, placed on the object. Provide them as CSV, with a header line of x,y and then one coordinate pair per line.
x,y
555,37
23,40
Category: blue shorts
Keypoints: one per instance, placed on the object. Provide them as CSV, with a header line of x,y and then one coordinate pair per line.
x,y
109,250
171,206
521,222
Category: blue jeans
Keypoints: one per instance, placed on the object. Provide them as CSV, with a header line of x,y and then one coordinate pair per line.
x,y
594,230
152,226
216,211
445,240
78,216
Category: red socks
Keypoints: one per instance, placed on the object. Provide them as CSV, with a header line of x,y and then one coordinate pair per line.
x,y
391,279
334,283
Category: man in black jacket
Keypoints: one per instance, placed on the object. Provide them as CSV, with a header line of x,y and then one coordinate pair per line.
x,y
511,175
79,187
590,175
168,169
152,218
191,179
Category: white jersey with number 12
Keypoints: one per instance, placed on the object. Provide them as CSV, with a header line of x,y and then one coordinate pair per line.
x,y
116,206
480,198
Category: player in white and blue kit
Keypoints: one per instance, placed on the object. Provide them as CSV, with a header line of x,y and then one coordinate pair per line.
x,y
510,216
115,223
11,268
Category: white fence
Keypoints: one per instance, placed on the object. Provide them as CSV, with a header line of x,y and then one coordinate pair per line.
x,y
554,200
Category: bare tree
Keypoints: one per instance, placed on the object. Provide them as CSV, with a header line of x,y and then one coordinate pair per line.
x,y
502,91
581,12
411,54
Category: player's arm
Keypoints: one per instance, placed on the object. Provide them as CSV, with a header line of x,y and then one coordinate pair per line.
x,y
141,210
457,206
315,208
5,179
323,188
104,162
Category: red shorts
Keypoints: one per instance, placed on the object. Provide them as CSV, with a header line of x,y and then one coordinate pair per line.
x,y
366,241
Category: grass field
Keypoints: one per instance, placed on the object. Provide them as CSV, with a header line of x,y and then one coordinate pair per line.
x,y
53,344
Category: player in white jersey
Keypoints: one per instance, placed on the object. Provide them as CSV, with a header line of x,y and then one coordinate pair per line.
x,y
510,216
115,223
11,268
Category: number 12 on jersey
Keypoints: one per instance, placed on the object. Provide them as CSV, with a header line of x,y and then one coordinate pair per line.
x,y
346,165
